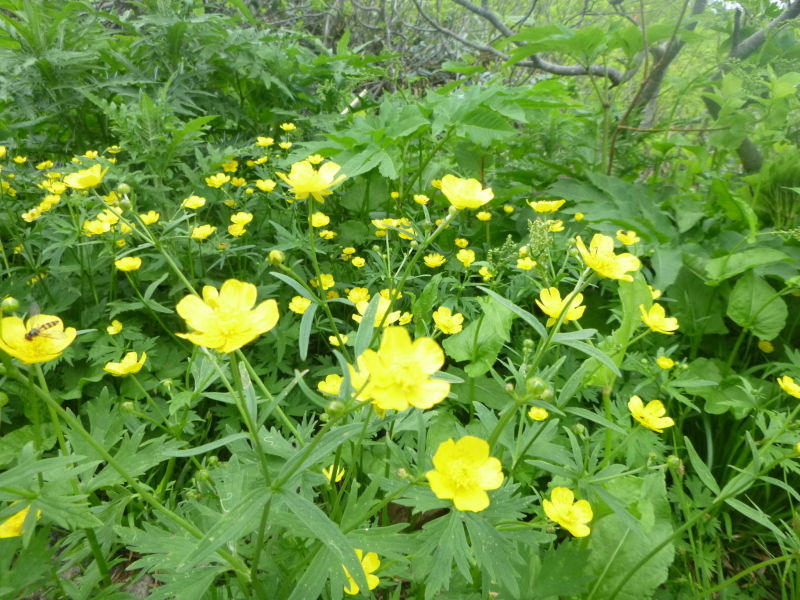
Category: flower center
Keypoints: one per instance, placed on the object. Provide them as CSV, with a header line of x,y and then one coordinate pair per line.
x,y
463,474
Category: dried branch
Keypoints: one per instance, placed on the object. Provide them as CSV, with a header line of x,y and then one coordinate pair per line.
x,y
751,44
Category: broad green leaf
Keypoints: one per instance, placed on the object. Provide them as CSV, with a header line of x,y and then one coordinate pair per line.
x,y
757,515
481,341
483,126
70,512
493,551
526,316
719,269
186,586
561,574
756,306
424,304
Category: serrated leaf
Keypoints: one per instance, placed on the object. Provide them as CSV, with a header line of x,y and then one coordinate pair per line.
x,y
483,126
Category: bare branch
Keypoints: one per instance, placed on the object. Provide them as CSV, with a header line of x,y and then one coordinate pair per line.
x,y
455,36
751,44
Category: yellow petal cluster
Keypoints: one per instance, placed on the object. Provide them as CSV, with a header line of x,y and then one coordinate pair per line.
x,y
12,526
552,305
225,320
306,181
600,257
383,306
329,474
42,338
466,257
88,178
193,202
571,515
546,206
370,563
465,193
627,237
463,472
129,263
150,217
129,364
789,386
265,185
299,304
652,415
434,260
447,322
218,180
202,232
657,320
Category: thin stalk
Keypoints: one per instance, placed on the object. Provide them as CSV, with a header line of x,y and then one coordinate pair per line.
x,y
751,569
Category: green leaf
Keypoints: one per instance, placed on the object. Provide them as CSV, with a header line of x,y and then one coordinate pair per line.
x,y
561,574
305,329
587,414
367,326
328,533
700,467
481,341
756,306
493,552
446,541
424,305
206,447
526,316
70,512
483,126
186,586
232,525
757,515
719,269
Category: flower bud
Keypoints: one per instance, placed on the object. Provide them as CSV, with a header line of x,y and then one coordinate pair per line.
x,y
673,462
547,395
334,408
413,243
276,257
202,475
426,224
127,408
192,495
452,210
402,473
644,361
536,387
10,304
579,429
124,188
574,253
527,345
524,251
509,388
376,248
3,399
213,461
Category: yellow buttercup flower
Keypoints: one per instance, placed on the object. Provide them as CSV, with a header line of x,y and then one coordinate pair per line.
x,y
264,142
329,474
331,385
546,206
332,295
571,515
383,306
129,263
54,187
551,304
465,193
288,126
555,226
526,264
538,413
447,322
299,304
241,218
601,258
110,216
114,149
218,180
225,320
31,215
766,346
230,166
3,151
319,219
370,563
150,217
238,181
265,185
193,202
262,160
789,386
48,164
348,251
326,281
41,338
83,180
652,415
508,209
128,365
114,328
358,294
462,243
421,199
388,294
656,294
12,526
665,362
327,234
580,216
334,341
304,180
202,232
315,159
485,273
400,372
359,262
657,320
285,145
20,159
484,215
91,228
466,257
434,260
463,472
91,153
629,238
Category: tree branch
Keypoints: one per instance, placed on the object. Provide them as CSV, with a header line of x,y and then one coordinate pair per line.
x,y
751,44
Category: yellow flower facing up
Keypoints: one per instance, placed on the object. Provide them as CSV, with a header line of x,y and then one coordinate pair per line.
x,y
485,273
466,257
265,185
629,238
508,209
114,149
48,164
334,341
217,180
129,263
150,217
264,142
3,151
569,514
546,206
114,328
238,181
555,226
348,251
88,178
128,365
230,166
262,160
465,193
447,322
789,386
91,228
241,218
551,304
665,363
383,306
12,526
526,264
326,281
91,154
315,159
657,320
331,384
388,294
421,199
370,563
329,474
299,304
463,471
359,262
41,338
202,232
537,413
652,415
319,219
225,320
288,126
193,202
462,242
285,145
20,159
326,234
600,257
656,294
305,181
400,372
484,215
766,347
358,294
434,260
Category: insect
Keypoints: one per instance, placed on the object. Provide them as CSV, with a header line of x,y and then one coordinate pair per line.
x,y
41,329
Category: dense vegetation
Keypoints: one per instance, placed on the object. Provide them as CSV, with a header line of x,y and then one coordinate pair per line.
x,y
420,300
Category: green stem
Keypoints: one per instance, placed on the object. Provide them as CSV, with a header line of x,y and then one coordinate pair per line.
x,y
262,527
773,561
